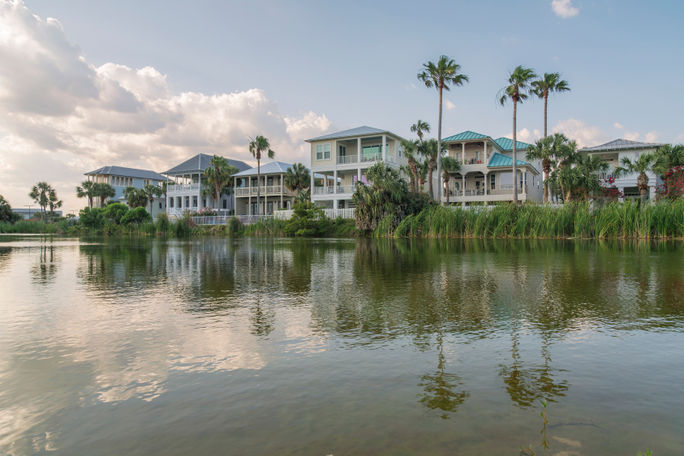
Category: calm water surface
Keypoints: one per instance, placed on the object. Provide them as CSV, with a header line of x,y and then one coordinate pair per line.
x,y
340,347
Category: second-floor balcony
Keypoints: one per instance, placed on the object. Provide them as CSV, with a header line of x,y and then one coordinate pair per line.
x,y
265,190
182,188
331,190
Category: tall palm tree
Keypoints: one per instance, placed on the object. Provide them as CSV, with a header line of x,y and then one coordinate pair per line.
x,y
543,150
410,149
151,192
441,75
103,191
449,165
40,193
297,178
641,165
667,157
135,197
219,176
428,149
257,146
550,82
420,127
517,91
86,190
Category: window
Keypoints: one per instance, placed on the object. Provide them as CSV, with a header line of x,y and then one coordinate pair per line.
x,y
170,202
323,151
225,204
370,153
343,151
160,205
194,201
492,181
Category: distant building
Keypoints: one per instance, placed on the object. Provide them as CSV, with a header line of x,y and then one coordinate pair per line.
x,y
32,212
343,158
613,152
273,193
486,174
120,177
185,191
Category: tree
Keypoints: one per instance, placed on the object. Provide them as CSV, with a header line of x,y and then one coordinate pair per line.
x,y
103,191
441,75
410,149
40,193
297,178
135,197
667,157
544,150
420,127
542,87
449,165
641,165
219,176
151,192
382,197
428,149
517,91
86,190
6,214
257,146
136,216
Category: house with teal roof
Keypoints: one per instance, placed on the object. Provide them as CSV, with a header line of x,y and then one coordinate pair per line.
x,y
486,174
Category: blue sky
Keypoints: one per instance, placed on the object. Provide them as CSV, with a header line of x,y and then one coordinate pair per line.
x,y
149,83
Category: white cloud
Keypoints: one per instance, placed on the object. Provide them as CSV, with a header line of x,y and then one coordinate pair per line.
x,y
61,116
564,8
651,136
679,139
526,135
449,105
585,135
618,125
631,135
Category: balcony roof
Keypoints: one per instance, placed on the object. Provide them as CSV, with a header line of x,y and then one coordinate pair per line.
x,y
620,144
200,162
352,133
498,160
465,136
127,172
274,167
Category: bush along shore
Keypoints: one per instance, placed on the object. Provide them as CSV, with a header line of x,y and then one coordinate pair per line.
x,y
628,220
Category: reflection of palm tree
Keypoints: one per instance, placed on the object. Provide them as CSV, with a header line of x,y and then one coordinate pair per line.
x,y
441,387
47,268
263,320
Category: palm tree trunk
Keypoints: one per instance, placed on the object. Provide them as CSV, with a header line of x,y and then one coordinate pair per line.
x,y
258,185
430,186
515,152
439,150
546,101
446,189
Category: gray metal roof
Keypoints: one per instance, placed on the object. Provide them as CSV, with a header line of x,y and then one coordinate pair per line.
x,y
200,162
620,144
275,167
126,172
358,131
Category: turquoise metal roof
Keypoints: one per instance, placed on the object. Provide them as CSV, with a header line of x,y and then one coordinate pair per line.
x,y
501,161
507,144
465,136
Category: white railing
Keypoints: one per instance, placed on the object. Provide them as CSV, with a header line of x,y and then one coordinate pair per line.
x,y
347,159
265,190
221,219
323,190
347,213
371,158
177,188
345,189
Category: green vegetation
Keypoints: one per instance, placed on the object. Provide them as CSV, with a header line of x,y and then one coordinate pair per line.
x,y
298,180
45,196
626,220
219,178
6,214
257,146
542,87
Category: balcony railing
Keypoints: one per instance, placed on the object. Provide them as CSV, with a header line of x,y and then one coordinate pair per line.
x,y
331,190
266,190
371,158
179,188
347,159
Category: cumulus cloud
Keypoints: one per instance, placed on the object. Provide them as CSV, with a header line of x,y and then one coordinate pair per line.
x,y
618,125
61,116
449,105
585,135
564,8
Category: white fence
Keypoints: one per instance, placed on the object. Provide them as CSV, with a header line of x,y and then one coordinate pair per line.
x,y
347,213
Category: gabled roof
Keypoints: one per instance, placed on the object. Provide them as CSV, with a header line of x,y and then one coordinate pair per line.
x,y
498,160
507,144
127,172
620,144
275,167
465,136
200,162
358,131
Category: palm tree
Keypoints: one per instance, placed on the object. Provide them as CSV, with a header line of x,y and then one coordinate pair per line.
x,y
257,146
103,191
550,82
40,193
420,127
543,150
517,91
641,165
449,165
297,178
410,149
151,192
86,190
422,168
135,197
441,75
667,157
219,176
428,149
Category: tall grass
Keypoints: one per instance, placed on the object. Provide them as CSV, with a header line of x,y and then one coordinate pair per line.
x,y
627,220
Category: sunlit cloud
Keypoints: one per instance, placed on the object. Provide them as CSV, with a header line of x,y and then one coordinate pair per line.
x,y
564,8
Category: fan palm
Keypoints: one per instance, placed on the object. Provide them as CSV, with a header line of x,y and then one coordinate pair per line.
x,y
449,165
151,192
547,149
641,166
40,193
257,146
419,128
410,149
667,157
103,191
428,149
542,87
135,197
219,176
86,190
441,75
297,178
517,91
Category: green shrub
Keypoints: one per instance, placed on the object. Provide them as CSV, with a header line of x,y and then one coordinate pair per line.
x,y
307,220
115,212
233,226
91,218
162,224
183,227
136,216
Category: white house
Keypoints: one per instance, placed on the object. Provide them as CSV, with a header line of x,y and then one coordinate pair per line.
x,y
273,194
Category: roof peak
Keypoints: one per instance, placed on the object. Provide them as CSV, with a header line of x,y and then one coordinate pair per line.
x,y
363,130
621,143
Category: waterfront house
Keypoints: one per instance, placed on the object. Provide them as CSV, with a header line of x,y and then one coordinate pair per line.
x,y
341,160
120,177
186,188
486,174
274,194
613,152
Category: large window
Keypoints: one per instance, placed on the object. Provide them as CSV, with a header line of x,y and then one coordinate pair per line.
x,y
343,151
370,153
492,181
323,151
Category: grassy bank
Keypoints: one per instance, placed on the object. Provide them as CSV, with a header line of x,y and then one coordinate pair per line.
x,y
614,220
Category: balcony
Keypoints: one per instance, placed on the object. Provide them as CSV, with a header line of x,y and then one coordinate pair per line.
x,y
173,189
266,190
347,159
341,189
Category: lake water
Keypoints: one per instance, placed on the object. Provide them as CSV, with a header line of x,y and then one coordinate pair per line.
x,y
343,347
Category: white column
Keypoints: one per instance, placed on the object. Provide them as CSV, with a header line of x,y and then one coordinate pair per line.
x,y
249,192
281,190
335,181
384,147
335,203
486,180
463,153
463,187
486,160
311,188
358,150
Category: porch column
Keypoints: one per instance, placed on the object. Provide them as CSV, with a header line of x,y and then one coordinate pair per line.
x,y
358,175
486,180
335,181
281,191
463,187
486,160
311,187
358,150
384,148
335,203
463,154
524,185
249,192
